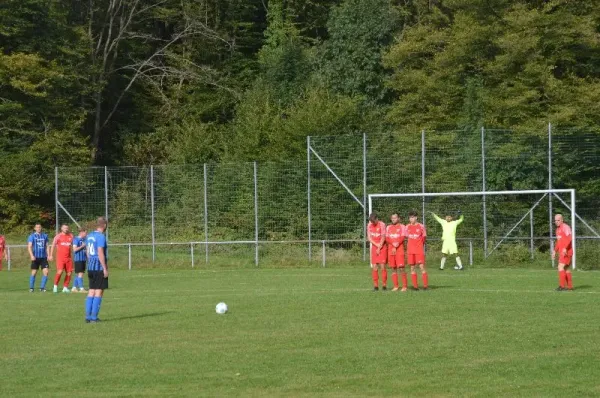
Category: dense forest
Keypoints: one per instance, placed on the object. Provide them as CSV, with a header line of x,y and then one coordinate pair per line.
x,y
138,82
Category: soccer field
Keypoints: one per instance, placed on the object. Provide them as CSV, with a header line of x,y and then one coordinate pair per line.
x,y
304,332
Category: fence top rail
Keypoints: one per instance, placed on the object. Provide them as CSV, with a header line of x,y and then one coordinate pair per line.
x,y
463,193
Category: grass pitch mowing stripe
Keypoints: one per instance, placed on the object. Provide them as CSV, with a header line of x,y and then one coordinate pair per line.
x,y
304,332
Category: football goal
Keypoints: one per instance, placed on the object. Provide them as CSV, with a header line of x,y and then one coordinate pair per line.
x,y
502,226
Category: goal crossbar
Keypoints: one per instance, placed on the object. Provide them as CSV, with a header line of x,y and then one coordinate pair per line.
x,y
544,192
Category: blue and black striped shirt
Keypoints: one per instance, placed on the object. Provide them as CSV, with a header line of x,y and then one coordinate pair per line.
x,y
79,255
39,243
93,241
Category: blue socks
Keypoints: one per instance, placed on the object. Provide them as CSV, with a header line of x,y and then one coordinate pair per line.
x,y
89,301
31,281
78,282
96,308
43,284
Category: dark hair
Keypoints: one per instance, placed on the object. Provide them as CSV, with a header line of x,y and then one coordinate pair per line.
x,y
37,223
82,229
373,217
396,214
413,213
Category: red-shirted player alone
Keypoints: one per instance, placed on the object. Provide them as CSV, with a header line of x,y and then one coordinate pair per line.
x,y
376,233
416,236
394,236
564,248
64,260
3,252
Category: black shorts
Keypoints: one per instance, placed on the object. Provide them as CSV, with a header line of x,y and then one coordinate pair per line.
x,y
97,281
79,267
39,262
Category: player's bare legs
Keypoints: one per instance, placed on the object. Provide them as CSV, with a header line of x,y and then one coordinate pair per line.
x,y
424,276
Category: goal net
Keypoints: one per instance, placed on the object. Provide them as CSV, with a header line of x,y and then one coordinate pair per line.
x,y
500,228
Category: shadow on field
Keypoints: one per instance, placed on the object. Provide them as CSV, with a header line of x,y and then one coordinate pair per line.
x,y
146,315
436,287
582,287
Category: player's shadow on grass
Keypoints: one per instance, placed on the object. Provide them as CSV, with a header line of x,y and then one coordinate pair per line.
x,y
436,287
139,316
582,287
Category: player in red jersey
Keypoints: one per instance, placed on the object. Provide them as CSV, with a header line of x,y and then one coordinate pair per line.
x,y
64,260
394,236
376,233
3,252
564,248
416,236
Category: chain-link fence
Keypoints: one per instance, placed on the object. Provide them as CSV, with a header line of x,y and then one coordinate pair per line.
x,y
314,210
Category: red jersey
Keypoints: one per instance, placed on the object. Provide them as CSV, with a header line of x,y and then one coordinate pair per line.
x,y
395,235
416,235
564,239
2,244
376,231
63,244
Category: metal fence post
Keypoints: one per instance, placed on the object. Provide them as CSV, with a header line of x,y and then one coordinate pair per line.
x,y
192,252
106,198
56,199
470,252
129,256
255,215
205,213
483,188
550,210
364,221
152,212
423,172
324,255
531,247
308,198
9,257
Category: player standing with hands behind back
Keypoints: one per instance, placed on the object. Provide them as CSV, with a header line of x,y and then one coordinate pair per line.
x,y
564,248
376,233
37,246
97,270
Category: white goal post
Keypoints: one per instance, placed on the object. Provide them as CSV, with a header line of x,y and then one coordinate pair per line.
x,y
484,194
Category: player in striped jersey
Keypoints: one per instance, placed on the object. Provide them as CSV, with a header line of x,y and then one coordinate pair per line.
x,y
79,254
37,246
97,270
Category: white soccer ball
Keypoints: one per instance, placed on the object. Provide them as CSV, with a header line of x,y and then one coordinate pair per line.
x,y
221,308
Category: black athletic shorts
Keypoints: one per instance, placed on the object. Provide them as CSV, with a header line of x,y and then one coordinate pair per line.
x,y
97,281
39,262
79,267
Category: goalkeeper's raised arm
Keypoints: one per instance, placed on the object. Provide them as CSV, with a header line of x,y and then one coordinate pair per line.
x,y
449,246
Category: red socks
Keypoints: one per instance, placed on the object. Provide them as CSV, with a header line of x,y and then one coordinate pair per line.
x,y
375,275
415,282
67,280
562,279
57,279
425,280
384,276
404,280
569,278
395,279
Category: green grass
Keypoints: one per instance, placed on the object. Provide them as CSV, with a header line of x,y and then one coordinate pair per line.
x,y
304,332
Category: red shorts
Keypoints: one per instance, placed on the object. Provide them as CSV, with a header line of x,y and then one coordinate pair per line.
x,y
414,259
396,260
66,264
380,258
566,260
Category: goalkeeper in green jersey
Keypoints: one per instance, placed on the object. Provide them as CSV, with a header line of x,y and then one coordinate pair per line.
x,y
449,238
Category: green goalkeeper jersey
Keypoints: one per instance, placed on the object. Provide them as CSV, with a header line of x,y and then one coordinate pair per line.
x,y
449,228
